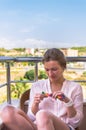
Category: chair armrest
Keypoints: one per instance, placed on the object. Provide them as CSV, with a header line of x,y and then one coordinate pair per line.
x,y
24,97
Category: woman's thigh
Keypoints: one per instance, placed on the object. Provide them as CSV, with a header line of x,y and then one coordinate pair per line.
x,y
58,123
44,117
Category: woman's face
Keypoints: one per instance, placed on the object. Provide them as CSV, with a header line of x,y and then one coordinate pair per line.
x,y
53,70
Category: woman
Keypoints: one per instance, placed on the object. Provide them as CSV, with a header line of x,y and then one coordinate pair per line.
x,y
55,103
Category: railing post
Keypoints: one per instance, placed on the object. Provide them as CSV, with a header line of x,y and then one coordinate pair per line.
x,y
8,83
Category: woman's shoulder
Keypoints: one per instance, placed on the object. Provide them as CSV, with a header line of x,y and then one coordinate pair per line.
x,y
73,84
72,87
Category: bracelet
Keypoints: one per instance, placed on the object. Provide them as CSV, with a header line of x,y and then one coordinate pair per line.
x,y
69,104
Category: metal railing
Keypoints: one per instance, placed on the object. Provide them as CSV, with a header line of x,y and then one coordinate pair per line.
x,y
36,60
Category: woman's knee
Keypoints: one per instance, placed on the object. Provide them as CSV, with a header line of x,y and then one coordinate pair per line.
x,y
7,113
43,117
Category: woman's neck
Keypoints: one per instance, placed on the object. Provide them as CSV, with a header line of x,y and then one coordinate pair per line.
x,y
56,86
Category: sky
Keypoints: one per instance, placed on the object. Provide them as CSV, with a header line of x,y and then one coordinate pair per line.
x,y
42,23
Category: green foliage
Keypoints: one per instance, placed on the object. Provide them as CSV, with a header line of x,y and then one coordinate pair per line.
x,y
18,88
31,63
42,75
3,49
84,73
19,49
29,75
36,50
80,49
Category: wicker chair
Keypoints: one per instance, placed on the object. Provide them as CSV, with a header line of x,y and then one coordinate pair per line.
x,y
23,102
23,99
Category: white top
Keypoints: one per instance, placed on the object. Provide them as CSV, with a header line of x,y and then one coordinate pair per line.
x,y
71,89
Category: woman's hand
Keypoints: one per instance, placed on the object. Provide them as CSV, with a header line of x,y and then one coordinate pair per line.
x,y
61,96
37,99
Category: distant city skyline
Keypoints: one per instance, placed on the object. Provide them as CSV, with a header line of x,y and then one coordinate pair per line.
x,y
42,23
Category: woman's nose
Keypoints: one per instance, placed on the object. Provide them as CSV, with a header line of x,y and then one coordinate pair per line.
x,y
50,72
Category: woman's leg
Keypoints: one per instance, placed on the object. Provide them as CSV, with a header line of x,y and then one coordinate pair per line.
x,y
48,121
16,119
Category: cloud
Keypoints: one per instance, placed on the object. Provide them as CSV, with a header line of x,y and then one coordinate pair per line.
x,y
34,43
26,43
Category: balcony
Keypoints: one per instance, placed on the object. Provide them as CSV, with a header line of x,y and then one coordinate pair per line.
x,y
36,60
8,60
